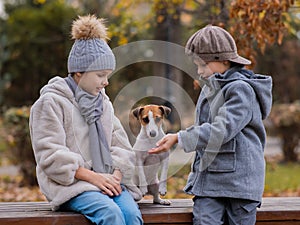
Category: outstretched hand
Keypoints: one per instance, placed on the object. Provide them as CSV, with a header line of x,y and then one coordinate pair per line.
x,y
164,144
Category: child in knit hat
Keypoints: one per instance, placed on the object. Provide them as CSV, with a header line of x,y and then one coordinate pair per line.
x,y
84,159
228,137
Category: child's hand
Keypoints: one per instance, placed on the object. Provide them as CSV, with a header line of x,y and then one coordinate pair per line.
x,y
109,184
165,144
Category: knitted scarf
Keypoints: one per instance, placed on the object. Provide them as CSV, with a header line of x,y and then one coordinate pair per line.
x,y
91,108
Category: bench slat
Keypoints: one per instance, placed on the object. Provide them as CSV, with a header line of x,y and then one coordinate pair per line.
x,y
47,220
274,211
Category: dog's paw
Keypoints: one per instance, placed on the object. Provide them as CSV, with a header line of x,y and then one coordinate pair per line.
x,y
162,190
162,201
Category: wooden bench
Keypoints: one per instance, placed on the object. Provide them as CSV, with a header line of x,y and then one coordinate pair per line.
x,y
274,211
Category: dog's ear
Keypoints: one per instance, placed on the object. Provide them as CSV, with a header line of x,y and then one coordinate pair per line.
x,y
165,110
137,111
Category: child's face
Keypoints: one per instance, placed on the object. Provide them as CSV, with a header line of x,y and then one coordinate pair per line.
x,y
94,81
206,69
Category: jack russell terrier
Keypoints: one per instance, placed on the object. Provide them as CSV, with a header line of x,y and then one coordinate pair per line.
x,y
150,118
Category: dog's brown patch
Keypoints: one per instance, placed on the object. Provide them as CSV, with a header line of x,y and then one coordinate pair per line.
x,y
158,111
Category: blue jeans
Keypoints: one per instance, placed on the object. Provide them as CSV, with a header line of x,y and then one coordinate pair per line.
x,y
102,209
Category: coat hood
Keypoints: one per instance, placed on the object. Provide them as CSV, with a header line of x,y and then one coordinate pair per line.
x,y
261,84
57,85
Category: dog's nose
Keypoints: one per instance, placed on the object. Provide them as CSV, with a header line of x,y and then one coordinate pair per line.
x,y
152,133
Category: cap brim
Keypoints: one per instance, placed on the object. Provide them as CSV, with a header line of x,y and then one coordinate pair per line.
x,y
241,60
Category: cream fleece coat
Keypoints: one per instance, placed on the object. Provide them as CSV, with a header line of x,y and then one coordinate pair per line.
x,y
60,142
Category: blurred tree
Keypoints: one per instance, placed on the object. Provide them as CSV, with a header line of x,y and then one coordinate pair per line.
x,y
36,40
17,138
286,120
281,62
258,23
3,57
32,24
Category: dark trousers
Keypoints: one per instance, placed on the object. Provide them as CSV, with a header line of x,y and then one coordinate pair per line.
x,y
218,211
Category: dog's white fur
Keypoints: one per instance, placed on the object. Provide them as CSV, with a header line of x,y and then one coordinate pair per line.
x,y
150,117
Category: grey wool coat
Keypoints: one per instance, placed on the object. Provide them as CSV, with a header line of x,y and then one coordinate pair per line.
x,y
60,142
229,136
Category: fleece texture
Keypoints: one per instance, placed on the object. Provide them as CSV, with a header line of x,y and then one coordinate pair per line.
x,y
60,140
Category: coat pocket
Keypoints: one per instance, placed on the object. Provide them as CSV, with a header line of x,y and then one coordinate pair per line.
x,y
223,160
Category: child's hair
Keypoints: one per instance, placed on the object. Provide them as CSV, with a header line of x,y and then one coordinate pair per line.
x,y
73,74
234,64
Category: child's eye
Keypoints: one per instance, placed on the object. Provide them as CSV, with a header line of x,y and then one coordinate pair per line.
x,y
200,63
145,119
203,65
157,119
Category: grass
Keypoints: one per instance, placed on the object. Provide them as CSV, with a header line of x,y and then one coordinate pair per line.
x,y
282,179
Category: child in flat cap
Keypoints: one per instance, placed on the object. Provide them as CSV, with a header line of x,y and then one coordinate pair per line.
x,y
228,137
84,159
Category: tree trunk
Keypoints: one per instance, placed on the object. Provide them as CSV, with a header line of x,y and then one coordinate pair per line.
x,y
290,140
168,29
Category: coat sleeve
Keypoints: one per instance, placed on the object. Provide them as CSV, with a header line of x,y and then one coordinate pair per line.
x,y
48,139
232,116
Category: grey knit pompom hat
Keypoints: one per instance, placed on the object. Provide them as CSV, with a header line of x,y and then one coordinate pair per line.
x,y
90,52
213,43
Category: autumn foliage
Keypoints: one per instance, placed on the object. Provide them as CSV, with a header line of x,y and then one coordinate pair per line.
x,y
258,23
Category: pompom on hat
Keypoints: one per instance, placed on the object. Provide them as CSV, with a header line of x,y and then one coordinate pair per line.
x,y
90,51
213,43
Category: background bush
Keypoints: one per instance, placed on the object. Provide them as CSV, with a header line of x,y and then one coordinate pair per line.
x,y
17,137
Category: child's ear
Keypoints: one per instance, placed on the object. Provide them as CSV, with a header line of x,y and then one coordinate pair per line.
x,y
165,110
226,63
77,75
137,111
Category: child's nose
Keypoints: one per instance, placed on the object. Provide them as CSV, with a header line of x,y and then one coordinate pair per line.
x,y
200,70
105,82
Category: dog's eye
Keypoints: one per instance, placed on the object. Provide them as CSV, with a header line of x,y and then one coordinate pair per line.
x,y
157,119
145,119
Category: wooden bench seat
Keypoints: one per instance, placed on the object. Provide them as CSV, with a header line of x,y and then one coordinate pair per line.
x,y
274,211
